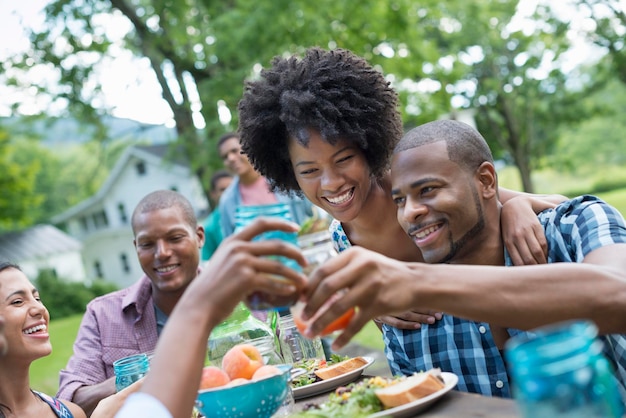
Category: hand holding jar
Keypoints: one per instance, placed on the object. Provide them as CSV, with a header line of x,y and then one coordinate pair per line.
x,y
317,249
243,217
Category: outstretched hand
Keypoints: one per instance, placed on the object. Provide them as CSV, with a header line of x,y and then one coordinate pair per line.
x,y
367,280
240,267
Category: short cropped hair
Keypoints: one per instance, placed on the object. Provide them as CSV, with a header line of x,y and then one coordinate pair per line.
x,y
336,93
4,265
217,175
465,145
226,137
165,199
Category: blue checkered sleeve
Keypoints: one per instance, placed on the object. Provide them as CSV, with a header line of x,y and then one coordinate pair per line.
x,y
576,228
465,348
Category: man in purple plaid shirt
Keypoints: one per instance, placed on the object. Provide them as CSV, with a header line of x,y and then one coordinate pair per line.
x,y
168,240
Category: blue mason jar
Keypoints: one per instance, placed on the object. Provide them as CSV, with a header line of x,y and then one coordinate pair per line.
x,y
244,215
130,369
560,372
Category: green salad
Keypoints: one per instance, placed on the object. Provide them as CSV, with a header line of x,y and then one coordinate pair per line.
x,y
311,365
353,400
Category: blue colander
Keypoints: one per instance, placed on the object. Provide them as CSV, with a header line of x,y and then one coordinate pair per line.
x,y
260,398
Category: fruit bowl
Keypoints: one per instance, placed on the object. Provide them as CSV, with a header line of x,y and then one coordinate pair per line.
x,y
258,398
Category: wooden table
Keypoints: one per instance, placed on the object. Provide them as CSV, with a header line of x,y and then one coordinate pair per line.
x,y
454,404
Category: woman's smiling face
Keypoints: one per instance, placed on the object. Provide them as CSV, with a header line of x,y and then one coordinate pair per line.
x,y
26,318
336,177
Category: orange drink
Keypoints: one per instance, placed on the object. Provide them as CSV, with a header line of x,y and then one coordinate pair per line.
x,y
337,325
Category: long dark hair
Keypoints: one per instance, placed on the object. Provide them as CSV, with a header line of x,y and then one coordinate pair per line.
x,y
3,266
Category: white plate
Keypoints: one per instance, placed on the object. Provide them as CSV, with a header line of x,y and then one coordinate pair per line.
x,y
412,408
332,383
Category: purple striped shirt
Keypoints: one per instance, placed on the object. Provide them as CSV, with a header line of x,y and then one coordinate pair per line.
x,y
115,325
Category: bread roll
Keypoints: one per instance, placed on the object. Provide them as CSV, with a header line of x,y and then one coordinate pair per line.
x,y
410,389
340,368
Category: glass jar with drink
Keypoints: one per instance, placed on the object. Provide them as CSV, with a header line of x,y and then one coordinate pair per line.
x,y
244,215
318,248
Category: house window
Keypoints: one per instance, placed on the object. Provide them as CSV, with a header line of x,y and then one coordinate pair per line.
x,y
98,270
125,265
122,211
174,188
100,219
141,168
84,225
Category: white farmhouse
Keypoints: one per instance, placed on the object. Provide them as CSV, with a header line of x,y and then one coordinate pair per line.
x,y
43,248
102,222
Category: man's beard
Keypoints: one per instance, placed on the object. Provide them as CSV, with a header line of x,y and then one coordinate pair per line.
x,y
455,247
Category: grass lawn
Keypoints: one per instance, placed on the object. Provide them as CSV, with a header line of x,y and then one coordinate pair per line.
x,y
616,198
370,336
45,372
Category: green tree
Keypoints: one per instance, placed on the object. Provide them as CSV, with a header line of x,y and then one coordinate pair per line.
x,y
201,52
40,181
18,193
598,143
64,298
608,30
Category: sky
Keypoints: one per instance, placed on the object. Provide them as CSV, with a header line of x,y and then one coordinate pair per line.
x,y
130,87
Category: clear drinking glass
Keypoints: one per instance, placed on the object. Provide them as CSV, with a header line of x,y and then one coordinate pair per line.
x,y
318,248
559,371
130,369
244,215
294,345
241,327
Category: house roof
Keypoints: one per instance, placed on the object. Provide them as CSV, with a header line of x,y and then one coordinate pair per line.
x,y
151,153
36,242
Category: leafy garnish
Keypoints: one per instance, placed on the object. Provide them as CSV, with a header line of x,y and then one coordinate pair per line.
x,y
311,365
353,400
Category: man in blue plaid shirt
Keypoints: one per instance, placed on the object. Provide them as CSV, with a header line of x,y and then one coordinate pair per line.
x,y
445,187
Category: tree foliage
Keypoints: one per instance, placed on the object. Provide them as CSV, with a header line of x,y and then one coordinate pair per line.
x,y
17,186
64,298
608,30
440,56
521,94
39,182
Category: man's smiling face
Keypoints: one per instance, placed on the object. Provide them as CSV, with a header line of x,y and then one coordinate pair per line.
x,y
438,203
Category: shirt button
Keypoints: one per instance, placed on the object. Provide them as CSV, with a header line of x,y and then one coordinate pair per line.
x,y
499,384
482,329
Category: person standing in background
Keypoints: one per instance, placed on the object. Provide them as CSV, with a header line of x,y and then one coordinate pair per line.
x,y
220,180
249,187
129,321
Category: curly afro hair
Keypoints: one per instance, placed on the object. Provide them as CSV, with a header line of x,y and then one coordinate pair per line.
x,y
333,92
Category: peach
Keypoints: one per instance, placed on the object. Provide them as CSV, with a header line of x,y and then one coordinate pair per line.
x,y
238,381
213,377
242,360
265,371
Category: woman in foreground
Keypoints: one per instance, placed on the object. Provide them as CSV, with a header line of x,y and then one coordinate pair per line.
x,y
26,336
